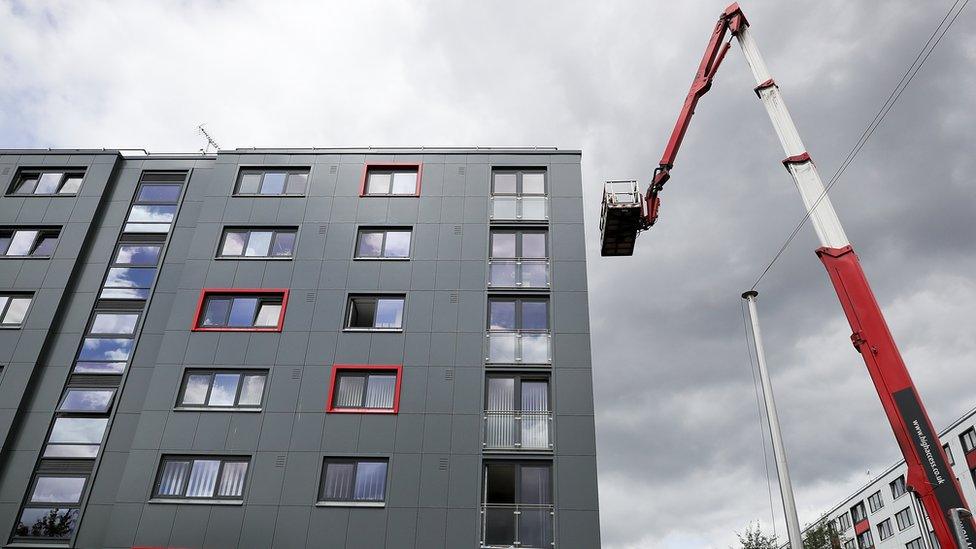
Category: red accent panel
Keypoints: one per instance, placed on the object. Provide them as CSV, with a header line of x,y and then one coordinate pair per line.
x,y
368,165
336,368
971,459
797,159
873,340
239,291
861,527
767,84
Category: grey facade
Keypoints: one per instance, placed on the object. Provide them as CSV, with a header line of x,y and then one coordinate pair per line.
x,y
287,463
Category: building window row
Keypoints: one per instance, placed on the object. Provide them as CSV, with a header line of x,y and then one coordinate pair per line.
x,y
875,501
47,182
62,474
28,242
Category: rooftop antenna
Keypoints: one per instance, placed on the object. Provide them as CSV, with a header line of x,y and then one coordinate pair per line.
x,y
210,140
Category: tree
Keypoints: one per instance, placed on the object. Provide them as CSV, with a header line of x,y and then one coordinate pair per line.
x,y
821,536
755,538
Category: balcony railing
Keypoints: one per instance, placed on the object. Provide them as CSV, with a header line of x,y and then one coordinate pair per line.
x,y
518,347
518,273
519,208
518,430
514,525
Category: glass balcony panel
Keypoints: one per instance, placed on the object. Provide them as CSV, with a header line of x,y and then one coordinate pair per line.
x,y
535,274
503,273
502,347
534,208
500,429
504,207
535,527
535,431
499,525
535,349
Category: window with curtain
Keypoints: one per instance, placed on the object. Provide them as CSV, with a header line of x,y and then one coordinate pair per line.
x,y
392,180
517,413
365,388
517,504
353,480
201,477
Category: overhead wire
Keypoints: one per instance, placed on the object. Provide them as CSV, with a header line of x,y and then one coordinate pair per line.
x,y
878,119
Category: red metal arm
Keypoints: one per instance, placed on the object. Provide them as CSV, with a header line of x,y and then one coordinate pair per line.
x,y
732,20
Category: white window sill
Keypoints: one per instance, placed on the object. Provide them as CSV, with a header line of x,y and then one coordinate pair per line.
x,y
191,501
351,504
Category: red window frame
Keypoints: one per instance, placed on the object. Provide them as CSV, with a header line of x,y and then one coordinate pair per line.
x,y
390,165
337,368
207,292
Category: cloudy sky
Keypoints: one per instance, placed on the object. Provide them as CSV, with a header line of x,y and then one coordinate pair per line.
x,y
680,457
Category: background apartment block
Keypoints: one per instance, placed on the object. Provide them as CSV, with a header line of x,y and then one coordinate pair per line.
x,y
883,514
295,348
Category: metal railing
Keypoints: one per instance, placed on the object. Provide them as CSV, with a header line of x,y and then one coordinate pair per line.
x,y
518,347
518,430
621,192
518,273
517,525
519,208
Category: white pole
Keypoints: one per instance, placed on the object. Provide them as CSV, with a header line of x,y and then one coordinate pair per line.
x,y
779,451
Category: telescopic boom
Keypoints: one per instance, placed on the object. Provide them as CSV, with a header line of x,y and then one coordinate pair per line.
x,y
929,474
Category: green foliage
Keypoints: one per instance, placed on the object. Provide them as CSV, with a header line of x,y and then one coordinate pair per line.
x,y
755,538
821,536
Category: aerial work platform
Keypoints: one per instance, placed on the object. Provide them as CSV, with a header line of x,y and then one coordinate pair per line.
x,y
622,217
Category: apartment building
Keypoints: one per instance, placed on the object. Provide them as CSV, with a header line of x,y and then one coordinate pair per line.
x,y
289,348
884,515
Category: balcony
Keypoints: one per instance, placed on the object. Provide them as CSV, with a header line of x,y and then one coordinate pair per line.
x,y
518,273
529,430
518,347
519,208
514,525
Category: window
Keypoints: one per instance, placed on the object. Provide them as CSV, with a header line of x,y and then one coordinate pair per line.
x,y
365,388
154,207
519,259
383,312
13,309
241,310
272,182
884,529
51,510
843,522
518,330
108,342
865,540
875,501
517,412
47,182
517,506
383,244
132,271
83,400
222,389
897,487
968,439
258,243
915,544
353,481
904,518
391,180
28,242
519,194
199,477
75,437
858,513
948,452
850,544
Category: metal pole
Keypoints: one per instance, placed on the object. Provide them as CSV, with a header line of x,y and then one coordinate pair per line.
x,y
779,451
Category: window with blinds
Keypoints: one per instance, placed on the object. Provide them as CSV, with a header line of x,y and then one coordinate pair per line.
x,y
353,481
202,477
365,388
